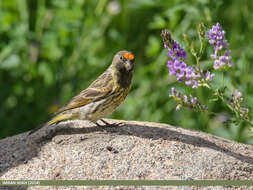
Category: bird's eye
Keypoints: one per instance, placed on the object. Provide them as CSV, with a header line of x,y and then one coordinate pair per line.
x,y
123,59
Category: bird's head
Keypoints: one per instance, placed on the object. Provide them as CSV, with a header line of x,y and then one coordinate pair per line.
x,y
124,61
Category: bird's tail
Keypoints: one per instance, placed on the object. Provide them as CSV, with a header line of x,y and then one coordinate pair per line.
x,y
55,120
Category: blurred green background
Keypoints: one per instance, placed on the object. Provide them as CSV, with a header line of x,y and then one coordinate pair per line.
x,y
52,49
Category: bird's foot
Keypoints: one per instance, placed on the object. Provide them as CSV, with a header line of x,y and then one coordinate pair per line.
x,y
106,124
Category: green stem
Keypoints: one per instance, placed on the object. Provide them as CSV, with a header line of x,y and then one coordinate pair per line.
x,y
201,48
222,79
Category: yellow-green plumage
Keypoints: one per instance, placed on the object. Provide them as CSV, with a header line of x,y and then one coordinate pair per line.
x,y
103,96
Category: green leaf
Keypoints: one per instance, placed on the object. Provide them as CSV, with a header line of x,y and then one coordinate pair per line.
x,y
11,62
45,71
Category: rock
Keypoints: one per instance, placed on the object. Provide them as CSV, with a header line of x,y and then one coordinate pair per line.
x,y
133,150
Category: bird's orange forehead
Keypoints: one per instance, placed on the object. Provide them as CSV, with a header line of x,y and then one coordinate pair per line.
x,y
128,56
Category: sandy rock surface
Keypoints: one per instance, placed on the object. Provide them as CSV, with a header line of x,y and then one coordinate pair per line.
x,y
133,150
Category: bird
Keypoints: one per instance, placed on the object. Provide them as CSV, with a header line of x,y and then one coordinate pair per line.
x,y
102,96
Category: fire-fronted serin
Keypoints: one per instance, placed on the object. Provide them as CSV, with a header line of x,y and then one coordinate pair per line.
x,y
103,96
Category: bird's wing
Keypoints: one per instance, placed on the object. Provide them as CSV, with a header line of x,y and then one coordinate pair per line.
x,y
99,89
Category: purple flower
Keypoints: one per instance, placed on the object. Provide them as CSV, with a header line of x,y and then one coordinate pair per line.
x,y
216,36
177,51
191,75
183,100
194,100
237,97
178,107
209,76
236,104
173,91
176,64
186,99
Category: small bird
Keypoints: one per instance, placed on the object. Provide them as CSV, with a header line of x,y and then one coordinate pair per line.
x,y
103,96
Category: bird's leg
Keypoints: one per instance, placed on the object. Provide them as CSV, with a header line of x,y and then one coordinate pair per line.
x,y
110,124
98,124
105,122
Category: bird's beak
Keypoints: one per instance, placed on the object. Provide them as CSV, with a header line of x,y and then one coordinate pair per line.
x,y
129,65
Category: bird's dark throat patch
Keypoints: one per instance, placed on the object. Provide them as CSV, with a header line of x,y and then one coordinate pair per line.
x,y
124,77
